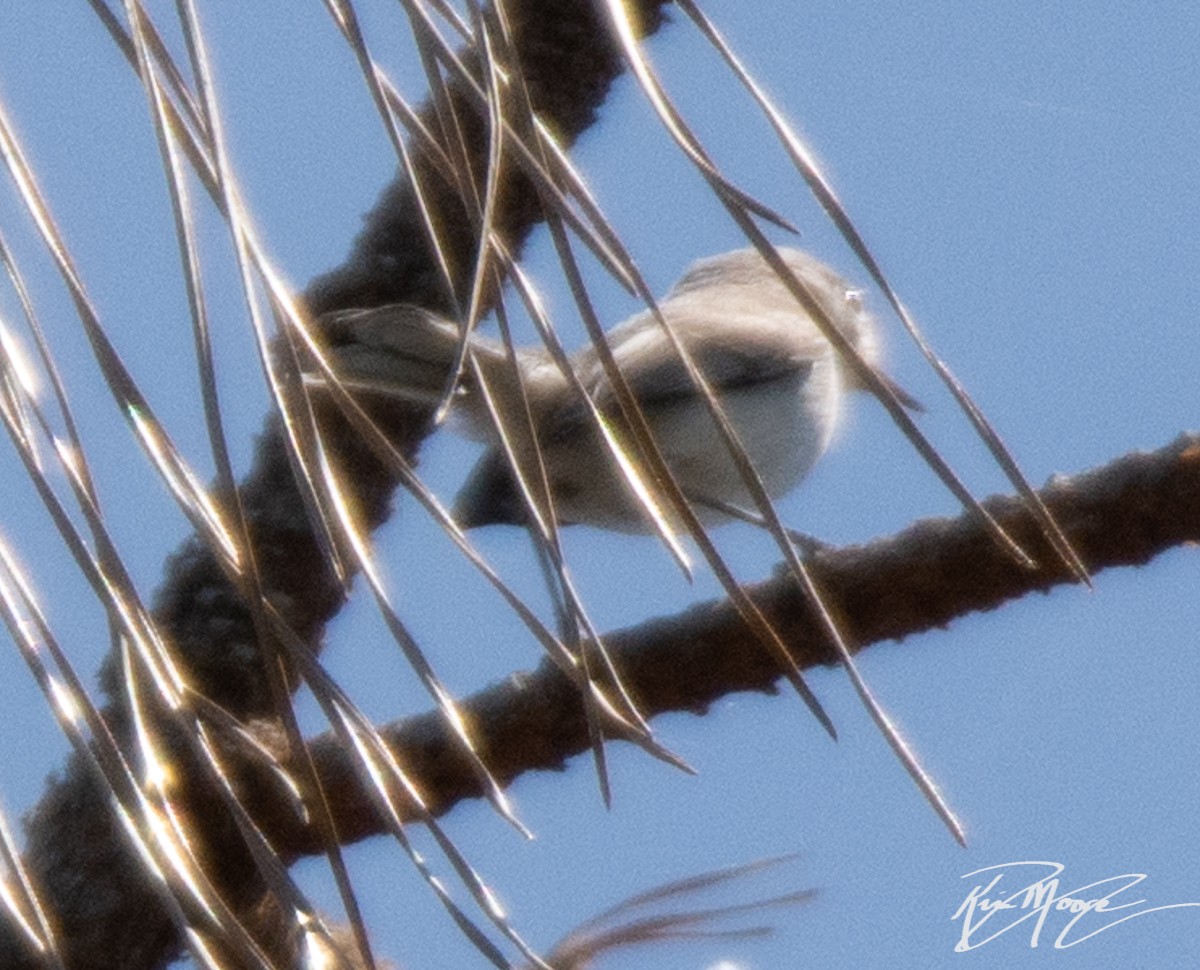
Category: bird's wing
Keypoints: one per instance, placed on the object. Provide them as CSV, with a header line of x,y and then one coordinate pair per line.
x,y
657,376
403,350
490,495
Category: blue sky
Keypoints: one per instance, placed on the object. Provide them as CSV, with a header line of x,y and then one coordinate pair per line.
x,y
1027,176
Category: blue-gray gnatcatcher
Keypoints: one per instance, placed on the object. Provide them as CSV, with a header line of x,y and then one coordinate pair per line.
x,y
779,380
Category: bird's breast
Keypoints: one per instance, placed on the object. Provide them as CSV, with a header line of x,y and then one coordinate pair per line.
x,y
785,426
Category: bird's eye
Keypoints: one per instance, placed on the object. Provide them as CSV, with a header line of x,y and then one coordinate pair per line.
x,y
854,299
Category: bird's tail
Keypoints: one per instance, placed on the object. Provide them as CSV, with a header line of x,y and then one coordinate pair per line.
x,y
410,354
400,351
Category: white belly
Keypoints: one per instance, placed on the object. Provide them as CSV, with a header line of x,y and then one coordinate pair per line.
x,y
785,427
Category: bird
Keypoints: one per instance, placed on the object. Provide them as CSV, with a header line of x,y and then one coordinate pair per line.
x,y
778,379
780,382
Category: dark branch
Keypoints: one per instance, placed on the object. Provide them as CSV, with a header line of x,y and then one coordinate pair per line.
x,y
103,907
1122,514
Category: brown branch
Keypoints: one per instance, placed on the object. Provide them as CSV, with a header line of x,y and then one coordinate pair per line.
x,y
1122,514
103,907
105,912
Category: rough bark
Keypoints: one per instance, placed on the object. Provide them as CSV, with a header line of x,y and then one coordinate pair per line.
x,y
1122,514
105,912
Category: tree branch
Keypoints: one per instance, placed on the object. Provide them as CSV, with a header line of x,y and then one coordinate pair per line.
x,y
1122,514
103,905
